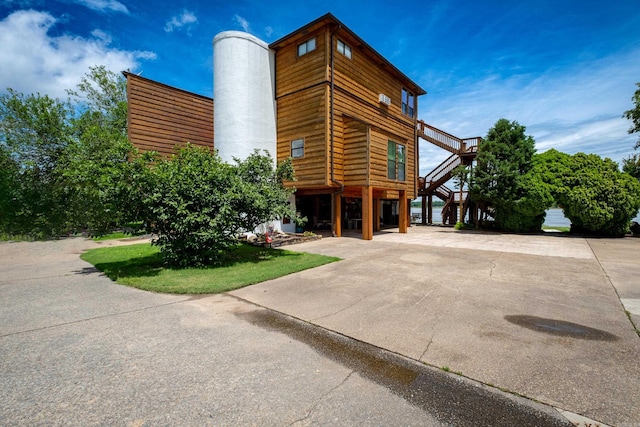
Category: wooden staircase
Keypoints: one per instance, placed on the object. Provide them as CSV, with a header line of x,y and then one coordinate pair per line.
x,y
463,151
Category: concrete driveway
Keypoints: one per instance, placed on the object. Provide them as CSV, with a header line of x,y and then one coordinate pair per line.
x,y
77,349
358,342
538,315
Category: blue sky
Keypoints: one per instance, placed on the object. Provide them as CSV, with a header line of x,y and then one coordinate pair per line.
x,y
565,69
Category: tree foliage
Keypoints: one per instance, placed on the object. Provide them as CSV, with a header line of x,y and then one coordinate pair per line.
x,y
198,204
631,165
634,114
106,171
501,178
34,134
596,197
70,164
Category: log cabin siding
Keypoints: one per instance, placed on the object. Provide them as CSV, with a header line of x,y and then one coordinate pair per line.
x,y
359,159
295,73
302,115
356,153
161,117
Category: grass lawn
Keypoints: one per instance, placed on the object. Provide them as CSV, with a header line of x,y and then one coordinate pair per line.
x,y
141,266
561,229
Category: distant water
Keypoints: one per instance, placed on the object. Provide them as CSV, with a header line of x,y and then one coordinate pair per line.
x,y
554,218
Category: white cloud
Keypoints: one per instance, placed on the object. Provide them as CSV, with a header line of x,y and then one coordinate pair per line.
x,y
184,20
33,61
104,5
242,22
573,109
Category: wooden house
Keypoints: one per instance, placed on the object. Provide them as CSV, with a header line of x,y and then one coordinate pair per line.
x,y
348,118
344,114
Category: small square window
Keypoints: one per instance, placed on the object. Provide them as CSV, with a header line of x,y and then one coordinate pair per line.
x,y
306,47
297,148
344,49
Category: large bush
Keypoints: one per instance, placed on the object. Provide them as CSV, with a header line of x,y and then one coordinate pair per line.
x,y
198,205
595,196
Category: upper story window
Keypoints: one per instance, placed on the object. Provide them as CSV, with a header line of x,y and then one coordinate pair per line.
x,y
306,47
297,148
344,49
396,161
408,103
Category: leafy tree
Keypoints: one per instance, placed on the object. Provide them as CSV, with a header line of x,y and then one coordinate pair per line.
x,y
501,178
596,197
634,114
105,171
103,94
35,132
460,175
198,204
75,165
8,185
631,165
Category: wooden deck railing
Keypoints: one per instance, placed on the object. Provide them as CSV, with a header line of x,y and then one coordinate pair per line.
x,y
442,172
439,137
447,141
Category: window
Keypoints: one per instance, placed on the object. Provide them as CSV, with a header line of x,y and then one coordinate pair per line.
x,y
297,148
391,160
401,161
408,102
396,161
306,47
344,49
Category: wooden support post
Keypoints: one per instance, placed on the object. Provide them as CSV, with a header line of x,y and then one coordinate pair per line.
x,y
402,211
367,213
424,210
430,209
337,214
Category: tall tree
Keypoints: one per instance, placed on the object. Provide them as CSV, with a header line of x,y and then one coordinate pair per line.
x,y
75,167
35,132
504,159
634,114
103,166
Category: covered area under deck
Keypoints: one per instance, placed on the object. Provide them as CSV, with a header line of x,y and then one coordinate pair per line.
x,y
355,209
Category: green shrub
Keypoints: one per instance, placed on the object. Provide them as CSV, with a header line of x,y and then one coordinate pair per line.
x,y
198,205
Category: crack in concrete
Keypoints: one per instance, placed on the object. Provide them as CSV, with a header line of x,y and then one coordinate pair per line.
x,y
345,308
315,405
93,318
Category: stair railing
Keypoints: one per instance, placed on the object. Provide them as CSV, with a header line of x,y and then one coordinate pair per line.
x,y
431,133
441,171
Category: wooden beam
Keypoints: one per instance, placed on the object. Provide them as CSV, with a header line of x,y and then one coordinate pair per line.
x,y
367,212
337,214
402,211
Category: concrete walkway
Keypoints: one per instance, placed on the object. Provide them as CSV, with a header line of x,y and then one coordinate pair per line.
x,y
538,315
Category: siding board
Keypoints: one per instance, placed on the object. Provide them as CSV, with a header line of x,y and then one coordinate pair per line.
x,y
162,117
